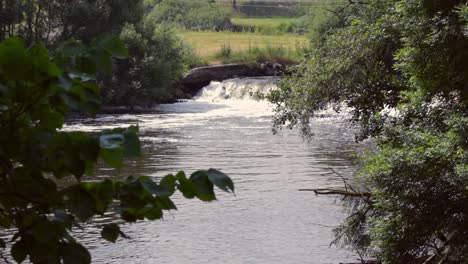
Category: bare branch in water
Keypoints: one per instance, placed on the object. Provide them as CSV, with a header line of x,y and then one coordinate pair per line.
x,y
338,192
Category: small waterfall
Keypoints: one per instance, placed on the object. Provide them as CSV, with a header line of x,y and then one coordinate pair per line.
x,y
237,89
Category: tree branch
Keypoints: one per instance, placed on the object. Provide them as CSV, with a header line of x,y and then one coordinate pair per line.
x,y
338,192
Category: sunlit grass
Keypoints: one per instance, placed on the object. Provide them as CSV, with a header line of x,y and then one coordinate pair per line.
x,y
207,44
285,56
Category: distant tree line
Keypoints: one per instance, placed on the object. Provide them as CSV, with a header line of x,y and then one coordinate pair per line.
x,y
271,8
191,15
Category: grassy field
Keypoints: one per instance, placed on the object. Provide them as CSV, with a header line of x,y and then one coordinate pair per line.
x,y
207,44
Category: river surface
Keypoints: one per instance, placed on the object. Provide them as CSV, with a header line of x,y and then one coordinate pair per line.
x,y
268,220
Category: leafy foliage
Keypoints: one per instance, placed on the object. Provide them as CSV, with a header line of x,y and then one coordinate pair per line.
x,y
157,58
271,8
401,69
49,22
37,89
192,15
419,182
148,76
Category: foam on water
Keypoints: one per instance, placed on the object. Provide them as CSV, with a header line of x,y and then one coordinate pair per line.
x,y
237,89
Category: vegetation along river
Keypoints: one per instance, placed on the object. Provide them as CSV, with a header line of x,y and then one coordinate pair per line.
x,y
268,220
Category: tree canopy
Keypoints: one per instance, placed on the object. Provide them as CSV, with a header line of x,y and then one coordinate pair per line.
x,y
401,69
191,15
145,77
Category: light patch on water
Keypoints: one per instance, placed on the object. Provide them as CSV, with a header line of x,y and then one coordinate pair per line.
x,y
237,89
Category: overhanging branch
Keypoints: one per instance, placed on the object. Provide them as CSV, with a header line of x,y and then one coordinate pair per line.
x,y
338,192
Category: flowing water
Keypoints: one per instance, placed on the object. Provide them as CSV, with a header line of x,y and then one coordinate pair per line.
x,y
268,220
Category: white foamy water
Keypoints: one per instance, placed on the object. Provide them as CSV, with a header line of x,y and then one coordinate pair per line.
x,y
268,220
237,89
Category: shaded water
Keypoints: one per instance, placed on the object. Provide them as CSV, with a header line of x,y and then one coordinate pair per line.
x,y
268,220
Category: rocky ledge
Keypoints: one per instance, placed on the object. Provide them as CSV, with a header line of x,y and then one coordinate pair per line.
x,y
197,78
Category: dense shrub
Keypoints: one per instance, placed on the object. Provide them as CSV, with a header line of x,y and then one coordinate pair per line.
x,y
157,58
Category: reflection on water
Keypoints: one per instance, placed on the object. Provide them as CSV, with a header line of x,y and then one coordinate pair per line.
x,y
267,221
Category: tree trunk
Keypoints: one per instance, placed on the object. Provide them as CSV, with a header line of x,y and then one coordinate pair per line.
x,y
29,14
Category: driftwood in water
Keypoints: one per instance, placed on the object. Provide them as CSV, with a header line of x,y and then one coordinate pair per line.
x,y
339,192
349,192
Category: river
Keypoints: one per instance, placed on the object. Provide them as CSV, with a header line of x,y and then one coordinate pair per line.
x,y
268,220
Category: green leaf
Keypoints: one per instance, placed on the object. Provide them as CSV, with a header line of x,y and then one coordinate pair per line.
x,y
74,253
113,45
165,203
203,186
110,232
154,214
185,186
80,203
34,186
128,217
153,188
44,253
45,231
113,157
132,146
89,167
104,61
169,182
40,60
19,252
107,191
52,121
102,194
53,70
221,180
92,87
13,60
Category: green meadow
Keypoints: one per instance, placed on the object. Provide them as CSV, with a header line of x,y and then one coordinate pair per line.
x,y
223,47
